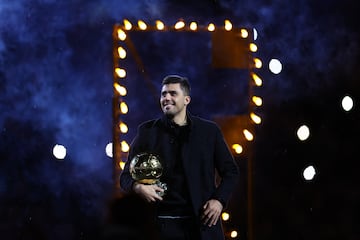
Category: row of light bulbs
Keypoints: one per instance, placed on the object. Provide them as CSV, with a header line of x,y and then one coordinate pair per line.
x,y
181,25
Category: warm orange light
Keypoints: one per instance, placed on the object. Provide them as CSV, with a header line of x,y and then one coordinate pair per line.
x,y
127,24
237,148
248,135
257,100
121,34
142,25
228,25
160,25
124,146
120,89
256,119
256,79
179,25
253,47
121,73
121,165
121,52
257,62
225,216
211,27
124,108
193,26
244,33
123,127
233,234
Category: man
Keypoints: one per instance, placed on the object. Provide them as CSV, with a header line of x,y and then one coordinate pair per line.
x,y
193,152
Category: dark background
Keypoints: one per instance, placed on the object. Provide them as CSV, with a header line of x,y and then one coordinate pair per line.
x,y
56,88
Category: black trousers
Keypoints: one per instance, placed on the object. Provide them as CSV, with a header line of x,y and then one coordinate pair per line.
x,y
178,229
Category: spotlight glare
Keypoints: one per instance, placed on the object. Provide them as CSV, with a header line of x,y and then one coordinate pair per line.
x,y
255,33
109,149
275,66
303,132
59,151
309,173
347,103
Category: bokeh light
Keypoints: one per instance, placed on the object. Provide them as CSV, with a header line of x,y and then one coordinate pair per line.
x,y
59,151
303,132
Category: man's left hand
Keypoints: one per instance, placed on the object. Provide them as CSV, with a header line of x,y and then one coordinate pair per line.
x,y
211,212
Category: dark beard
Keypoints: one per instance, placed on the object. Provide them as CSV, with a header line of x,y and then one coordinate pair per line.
x,y
169,116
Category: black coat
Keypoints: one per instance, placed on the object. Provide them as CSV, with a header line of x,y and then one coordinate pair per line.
x,y
203,152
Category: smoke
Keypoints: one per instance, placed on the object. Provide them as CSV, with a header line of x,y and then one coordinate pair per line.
x,y
56,80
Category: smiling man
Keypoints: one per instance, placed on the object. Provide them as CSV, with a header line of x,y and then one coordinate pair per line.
x,y
192,150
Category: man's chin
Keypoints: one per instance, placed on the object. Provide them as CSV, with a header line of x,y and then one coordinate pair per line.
x,y
169,115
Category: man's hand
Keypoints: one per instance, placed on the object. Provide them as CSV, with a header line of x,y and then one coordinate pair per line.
x,y
211,212
148,192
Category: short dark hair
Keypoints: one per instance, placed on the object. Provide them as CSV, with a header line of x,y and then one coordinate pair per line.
x,y
184,82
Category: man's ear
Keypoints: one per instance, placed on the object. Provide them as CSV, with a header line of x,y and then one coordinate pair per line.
x,y
187,100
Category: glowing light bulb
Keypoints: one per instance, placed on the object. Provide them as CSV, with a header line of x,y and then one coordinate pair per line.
x,y
160,25
121,73
124,146
257,79
257,63
142,25
244,33
124,108
257,100
127,24
253,47
248,135
211,27
193,26
228,25
123,127
179,25
120,89
121,52
109,149
256,119
237,148
121,34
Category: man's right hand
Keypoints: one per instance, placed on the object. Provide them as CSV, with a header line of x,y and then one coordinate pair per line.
x,y
148,192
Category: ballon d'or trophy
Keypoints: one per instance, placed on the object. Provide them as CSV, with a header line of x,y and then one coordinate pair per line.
x,y
146,168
